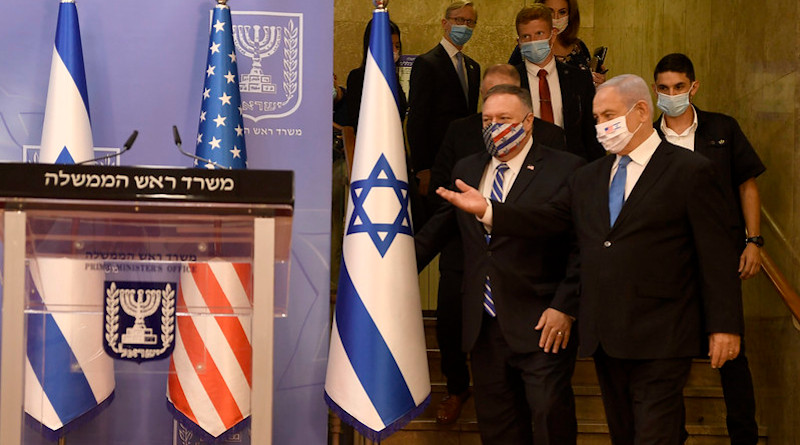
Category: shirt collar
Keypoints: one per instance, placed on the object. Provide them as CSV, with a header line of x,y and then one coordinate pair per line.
x,y
531,67
642,154
670,132
515,164
449,47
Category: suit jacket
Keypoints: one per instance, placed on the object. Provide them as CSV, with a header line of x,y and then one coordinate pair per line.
x,y
719,138
528,276
577,94
436,99
463,138
664,276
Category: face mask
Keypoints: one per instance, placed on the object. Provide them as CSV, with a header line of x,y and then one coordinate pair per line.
x,y
396,57
500,139
561,24
535,51
675,105
614,134
460,34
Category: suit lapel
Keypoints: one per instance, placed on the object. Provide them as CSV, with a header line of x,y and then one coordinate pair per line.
x,y
655,168
601,190
454,82
529,169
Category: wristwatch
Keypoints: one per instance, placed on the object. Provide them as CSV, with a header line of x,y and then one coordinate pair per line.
x,y
757,240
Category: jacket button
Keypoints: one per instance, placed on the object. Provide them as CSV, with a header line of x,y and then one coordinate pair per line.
x,y
607,244
489,253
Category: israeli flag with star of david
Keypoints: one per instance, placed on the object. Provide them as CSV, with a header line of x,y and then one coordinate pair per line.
x,y
220,136
377,378
67,131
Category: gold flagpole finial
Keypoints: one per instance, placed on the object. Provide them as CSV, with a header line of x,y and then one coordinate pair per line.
x,y
222,2
380,4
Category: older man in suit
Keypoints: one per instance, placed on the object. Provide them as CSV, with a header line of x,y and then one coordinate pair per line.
x,y
561,94
658,271
463,138
513,291
443,87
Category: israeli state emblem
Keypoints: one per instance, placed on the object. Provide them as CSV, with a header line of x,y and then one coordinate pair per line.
x,y
269,52
139,320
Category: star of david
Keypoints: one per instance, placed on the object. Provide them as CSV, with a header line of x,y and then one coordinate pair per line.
x,y
382,234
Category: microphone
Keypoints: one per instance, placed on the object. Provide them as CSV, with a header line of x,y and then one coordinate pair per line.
x,y
125,147
177,138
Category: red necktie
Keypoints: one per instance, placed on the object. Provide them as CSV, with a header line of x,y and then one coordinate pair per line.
x,y
545,104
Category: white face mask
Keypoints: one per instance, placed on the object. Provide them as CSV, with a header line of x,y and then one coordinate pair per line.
x,y
614,134
561,24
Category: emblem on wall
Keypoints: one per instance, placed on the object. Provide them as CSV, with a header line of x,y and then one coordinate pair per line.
x,y
269,48
139,320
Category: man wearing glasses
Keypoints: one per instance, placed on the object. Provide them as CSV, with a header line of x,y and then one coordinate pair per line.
x,y
444,86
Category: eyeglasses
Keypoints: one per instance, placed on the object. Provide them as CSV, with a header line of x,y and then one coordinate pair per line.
x,y
462,21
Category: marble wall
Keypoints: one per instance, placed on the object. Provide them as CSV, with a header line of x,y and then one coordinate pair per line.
x,y
747,58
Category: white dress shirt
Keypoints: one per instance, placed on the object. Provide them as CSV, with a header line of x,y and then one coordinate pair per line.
x,y
640,156
555,89
685,139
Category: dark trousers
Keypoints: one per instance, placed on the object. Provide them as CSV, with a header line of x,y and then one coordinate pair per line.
x,y
522,398
643,399
740,400
448,331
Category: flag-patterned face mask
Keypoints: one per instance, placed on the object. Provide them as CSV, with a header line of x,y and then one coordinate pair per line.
x,y
500,139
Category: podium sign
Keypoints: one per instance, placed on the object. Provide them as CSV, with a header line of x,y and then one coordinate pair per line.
x,y
118,258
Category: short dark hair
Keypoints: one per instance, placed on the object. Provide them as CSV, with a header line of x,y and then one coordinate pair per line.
x,y
677,63
570,35
522,94
368,32
536,11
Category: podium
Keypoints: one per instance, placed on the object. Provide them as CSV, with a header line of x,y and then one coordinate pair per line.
x,y
121,225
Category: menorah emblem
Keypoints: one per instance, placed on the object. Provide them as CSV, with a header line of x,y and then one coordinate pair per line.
x,y
260,44
140,304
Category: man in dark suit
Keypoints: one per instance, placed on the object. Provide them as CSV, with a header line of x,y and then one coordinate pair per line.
x,y
719,138
463,138
514,290
443,87
561,94
658,272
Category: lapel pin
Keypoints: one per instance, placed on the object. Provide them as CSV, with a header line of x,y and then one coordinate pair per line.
x,y
530,167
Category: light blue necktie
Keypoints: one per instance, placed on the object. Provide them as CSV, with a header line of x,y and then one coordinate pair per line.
x,y
496,195
616,193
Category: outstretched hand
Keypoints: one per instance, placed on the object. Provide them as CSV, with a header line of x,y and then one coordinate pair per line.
x,y
469,199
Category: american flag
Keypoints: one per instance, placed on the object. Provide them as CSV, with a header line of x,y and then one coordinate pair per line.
x,y
220,136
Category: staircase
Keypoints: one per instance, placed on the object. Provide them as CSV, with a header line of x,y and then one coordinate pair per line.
x,y
705,408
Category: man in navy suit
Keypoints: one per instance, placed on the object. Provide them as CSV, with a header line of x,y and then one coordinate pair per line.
x,y
518,298
443,87
719,138
561,94
464,137
658,271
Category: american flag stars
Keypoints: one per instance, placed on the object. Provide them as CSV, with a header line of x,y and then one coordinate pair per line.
x,y
221,129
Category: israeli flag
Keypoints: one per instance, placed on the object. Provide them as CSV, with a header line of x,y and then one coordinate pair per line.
x,y
377,378
67,132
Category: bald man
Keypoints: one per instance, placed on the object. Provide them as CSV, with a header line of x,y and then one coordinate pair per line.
x,y
658,272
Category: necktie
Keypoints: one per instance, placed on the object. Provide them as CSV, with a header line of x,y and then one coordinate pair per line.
x,y
545,104
496,195
616,193
461,74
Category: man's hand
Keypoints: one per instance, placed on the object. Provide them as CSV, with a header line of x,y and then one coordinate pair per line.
x,y
555,327
424,177
723,347
750,261
469,200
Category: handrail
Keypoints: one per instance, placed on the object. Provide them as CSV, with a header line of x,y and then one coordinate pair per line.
x,y
784,288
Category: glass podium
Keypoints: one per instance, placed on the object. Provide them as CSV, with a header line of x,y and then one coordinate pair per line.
x,y
138,303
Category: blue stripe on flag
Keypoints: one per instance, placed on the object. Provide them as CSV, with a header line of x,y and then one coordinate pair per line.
x,y
68,392
369,355
68,46
380,45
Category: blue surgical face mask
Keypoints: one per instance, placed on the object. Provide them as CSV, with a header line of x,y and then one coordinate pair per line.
x,y
535,51
460,34
674,106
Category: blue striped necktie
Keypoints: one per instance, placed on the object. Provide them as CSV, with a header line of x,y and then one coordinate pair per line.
x,y
616,193
497,195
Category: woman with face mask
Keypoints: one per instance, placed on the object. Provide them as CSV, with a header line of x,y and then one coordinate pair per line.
x,y
355,80
567,48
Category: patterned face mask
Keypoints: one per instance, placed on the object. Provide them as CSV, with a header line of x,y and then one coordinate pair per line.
x,y
500,139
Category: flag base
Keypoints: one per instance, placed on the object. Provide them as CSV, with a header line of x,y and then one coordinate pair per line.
x,y
83,419
203,434
369,433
